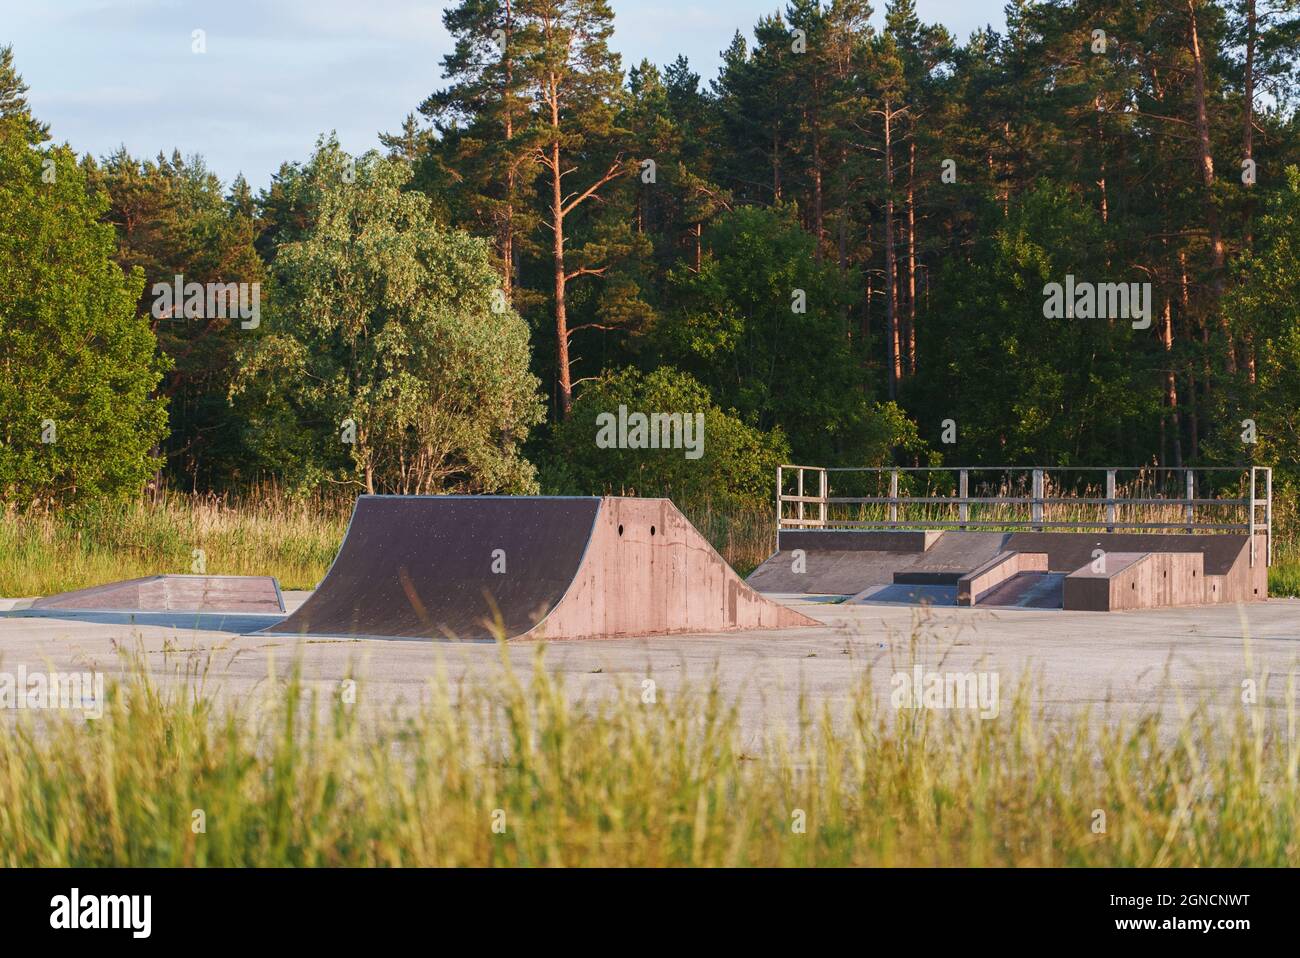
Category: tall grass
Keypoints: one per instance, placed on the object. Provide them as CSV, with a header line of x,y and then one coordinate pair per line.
x,y
264,533
1284,573
744,537
507,772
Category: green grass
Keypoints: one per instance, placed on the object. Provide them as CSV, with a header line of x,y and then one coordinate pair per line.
x,y
1284,573
289,779
744,537
267,533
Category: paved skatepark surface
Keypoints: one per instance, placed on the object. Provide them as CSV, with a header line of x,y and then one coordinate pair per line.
x,y
1120,664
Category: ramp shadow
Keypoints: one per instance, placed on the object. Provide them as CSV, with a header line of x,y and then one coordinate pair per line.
x,y
358,636
905,594
235,623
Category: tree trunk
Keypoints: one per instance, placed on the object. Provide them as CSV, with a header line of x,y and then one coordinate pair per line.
x,y
1248,137
1184,302
866,303
507,250
1171,385
911,259
818,216
891,304
1248,145
776,166
1101,147
1206,158
557,223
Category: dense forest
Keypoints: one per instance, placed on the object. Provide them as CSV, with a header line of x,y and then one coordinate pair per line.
x,y
839,249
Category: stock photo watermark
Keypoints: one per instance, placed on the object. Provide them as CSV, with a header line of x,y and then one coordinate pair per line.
x,y
1074,299
945,691
181,300
65,691
657,430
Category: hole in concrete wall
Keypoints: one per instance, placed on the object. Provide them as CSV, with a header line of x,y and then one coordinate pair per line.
x,y
652,530
1165,574
620,528
1257,592
1133,585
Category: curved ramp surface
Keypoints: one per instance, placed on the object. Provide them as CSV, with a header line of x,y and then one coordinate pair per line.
x,y
531,566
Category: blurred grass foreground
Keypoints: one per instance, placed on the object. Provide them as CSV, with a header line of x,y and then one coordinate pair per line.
x,y
503,771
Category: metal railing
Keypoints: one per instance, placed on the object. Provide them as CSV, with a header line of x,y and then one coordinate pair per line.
x,y
803,508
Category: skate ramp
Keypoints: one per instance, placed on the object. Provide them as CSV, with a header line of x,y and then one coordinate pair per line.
x,y
1224,572
981,582
468,567
1027,590
848,562
1138,580
996,568
248,594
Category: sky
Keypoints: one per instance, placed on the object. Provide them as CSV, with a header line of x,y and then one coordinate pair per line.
x,y
278,73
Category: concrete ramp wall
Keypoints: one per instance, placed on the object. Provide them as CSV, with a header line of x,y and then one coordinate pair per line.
x,y
1137,580
1007,565
649,571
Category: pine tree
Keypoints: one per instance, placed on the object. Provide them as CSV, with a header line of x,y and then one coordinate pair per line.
x,y
14,111
577,83
484,123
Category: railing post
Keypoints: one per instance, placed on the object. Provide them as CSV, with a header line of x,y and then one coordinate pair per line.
x,y
1191,494
1268,516
893,495
963,490
1036,505
1251,522
821,506
1110,500
799,492
780,491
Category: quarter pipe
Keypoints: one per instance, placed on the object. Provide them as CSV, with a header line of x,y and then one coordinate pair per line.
x,y
473,567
